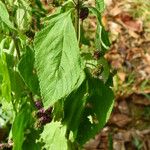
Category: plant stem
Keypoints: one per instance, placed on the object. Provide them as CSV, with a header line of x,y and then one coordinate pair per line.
x,y
17,46
14,107
77,11
67,134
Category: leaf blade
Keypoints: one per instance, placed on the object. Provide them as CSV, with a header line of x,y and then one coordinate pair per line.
x,y
99,106
56,48
53,136
100,5
6,84
4,16
20,124
26,70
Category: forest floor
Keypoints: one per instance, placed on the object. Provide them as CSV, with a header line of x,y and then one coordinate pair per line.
x,y
129,126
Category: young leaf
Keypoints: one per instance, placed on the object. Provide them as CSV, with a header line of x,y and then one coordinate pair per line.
x,y
53,136
97,110
4,16
26,70
57,58
100,5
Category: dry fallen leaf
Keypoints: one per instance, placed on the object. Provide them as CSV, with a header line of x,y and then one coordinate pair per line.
x,y
122,76
115,11
128,22
123,107
123,135
120,120
140,99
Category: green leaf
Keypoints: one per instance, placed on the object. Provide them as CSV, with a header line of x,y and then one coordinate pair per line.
x,y
27,71
58,111
30,142
102,39
53,136
23,18
97,111
59,105
6,85
106,69
100,5
73,107
20,18
4,16
57,58
17,84
19,125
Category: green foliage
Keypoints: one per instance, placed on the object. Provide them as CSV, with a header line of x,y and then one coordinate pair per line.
x,y
33,135
27,71
100,5
102,40
4,16
5,86
42,61
20,124
54,136
105,73
57,58
88,109
97,110
73,107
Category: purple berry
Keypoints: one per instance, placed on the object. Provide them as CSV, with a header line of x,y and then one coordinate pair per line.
x,y
38,104
84,12
41,112
45,119
49,110
96,55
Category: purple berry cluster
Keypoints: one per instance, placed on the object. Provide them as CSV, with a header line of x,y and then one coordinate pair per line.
x,y
43,115
84,12
96,54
